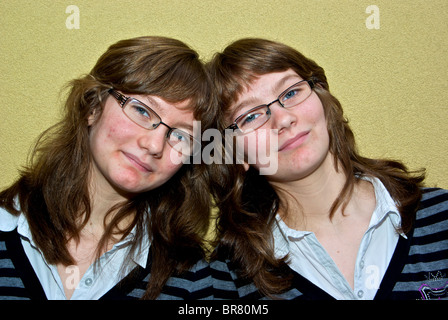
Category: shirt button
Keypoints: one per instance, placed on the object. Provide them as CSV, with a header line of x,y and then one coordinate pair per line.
x,y
361,264
88,282
360,293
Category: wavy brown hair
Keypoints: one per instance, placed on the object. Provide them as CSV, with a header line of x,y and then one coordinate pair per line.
x,y
53,191
247,210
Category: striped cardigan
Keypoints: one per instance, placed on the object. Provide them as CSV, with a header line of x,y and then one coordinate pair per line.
x,y
18,280
418,269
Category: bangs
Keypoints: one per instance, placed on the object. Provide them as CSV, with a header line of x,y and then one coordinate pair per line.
x,y
184,81
157,66
235,77
174,83
245,60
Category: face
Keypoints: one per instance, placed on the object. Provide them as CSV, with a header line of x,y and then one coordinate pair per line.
x,y
128,158
303,140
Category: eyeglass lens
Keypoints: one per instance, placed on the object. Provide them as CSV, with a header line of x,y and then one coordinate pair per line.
x,y
140,114
258,116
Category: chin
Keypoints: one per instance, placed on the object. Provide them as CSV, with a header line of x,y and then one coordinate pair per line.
x,y
130,186
288,174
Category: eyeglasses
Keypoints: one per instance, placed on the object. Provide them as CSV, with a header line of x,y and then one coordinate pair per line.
x,y
256,117
145,117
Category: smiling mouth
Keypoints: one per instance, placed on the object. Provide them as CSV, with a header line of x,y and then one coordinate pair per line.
x,y
294,141
144,167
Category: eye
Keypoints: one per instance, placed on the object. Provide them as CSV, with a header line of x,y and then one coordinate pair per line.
x,y
253,119
250,117
181,141
141,111
290,94
179,136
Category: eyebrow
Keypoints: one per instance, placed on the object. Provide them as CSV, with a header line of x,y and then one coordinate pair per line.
x,y
162,113
242,105
279,85
154,105
183,126
180,125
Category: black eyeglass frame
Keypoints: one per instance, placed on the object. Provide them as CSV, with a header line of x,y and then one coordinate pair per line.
x,y
234,125
122,100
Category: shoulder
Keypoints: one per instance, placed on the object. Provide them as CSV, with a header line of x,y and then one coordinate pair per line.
x,y
227,280
432,214
434,202
198,273
195,283
15,271
228,285
224,275
436,194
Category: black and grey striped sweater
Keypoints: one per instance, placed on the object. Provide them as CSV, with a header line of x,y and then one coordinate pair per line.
x,y
418,269
18,280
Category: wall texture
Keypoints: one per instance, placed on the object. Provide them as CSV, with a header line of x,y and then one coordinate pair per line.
x,y
388,67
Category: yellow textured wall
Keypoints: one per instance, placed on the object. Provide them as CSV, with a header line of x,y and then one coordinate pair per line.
x,y
392,81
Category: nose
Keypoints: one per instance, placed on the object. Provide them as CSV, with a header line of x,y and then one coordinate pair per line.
x,y
281,117
154,141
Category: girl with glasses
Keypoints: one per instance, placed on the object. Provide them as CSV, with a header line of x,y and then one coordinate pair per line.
x,y
329,223
107,209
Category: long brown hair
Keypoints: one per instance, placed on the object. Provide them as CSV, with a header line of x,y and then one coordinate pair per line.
x,y
53,190
247,210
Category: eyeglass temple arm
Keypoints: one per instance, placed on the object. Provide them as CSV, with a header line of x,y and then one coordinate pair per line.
x,y
312,82
121,98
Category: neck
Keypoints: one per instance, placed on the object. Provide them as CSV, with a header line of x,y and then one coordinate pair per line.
x,y
308,201
102,200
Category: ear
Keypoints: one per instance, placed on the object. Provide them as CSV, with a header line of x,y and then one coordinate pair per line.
x,y
92,117
319,85
246,165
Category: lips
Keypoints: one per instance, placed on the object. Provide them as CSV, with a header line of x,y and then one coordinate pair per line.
x,y
142,166
294,141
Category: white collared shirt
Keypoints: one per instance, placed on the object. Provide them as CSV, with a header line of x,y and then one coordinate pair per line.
x,y
309,258
96,281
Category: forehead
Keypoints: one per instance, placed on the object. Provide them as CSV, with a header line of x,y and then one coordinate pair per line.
x,y
265,88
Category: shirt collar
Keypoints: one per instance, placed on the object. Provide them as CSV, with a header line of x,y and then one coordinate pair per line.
x,y
9,222
385,207
140,255
283,235
279,232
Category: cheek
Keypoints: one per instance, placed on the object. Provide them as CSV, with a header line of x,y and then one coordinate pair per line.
x,y
249,145
110,130
259,148
101,141
171,168
313,112
165,172
171,161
